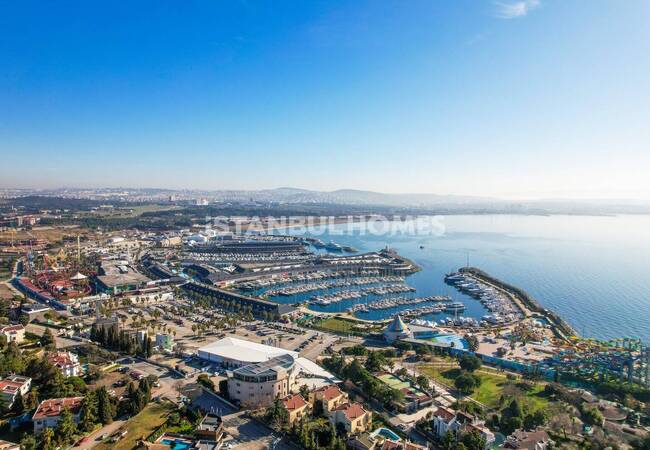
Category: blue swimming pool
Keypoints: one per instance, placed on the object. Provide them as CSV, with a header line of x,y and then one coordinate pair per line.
x,y
388,434
177,444
456,340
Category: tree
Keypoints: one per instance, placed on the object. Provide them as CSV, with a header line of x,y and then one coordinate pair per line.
x,y
466,383
402,372
469,363
104,406
28,442
47,439
473,440
375,361
65,428
592,416
89,411
206,381
537,419
510,424
19,405
276,413
472,342
514,409
449,441
304,391
47,340
423,382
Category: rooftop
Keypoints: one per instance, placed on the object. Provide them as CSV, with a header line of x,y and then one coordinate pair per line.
x,y
245,351
352,410
268,367
54,406
294,402
330,392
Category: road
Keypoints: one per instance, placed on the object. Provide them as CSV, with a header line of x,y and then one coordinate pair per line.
x,y
109,429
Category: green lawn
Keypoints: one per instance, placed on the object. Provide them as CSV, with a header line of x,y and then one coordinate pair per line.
x,y
493,386
341,325
140,426
336,324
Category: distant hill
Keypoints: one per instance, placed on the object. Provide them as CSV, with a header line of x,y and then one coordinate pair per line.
x,y
342,197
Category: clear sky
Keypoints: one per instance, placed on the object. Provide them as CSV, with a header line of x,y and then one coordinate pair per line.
x,y
515,98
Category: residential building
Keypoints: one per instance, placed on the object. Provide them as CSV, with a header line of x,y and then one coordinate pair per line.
x,y
331,396
353,417
49,411
11,386
296,407
446,419
528,440
13,333
66,362
210,429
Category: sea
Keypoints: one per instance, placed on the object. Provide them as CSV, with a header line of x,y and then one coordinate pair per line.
x,y
592,270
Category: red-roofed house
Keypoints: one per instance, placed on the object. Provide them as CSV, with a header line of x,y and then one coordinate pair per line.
x,y
48,412
13,333
11,386
353,416
331,397
445,420
66,362
296,407
528,440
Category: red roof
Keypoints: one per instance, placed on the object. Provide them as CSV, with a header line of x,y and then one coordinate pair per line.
x,y
352,410
330,392
13,383
445,413
294,402
53,407
12,328
61,359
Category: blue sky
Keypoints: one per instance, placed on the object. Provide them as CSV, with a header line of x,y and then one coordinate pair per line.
x,y
515,98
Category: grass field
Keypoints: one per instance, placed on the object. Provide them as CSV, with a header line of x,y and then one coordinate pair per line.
x,y
140,426
493,386
341,325
336,324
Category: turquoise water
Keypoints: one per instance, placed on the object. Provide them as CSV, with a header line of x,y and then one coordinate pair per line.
x,y
177,444
458,341
593,270
387,433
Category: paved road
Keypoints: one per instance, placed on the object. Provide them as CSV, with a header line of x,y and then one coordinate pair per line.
x,y
107,429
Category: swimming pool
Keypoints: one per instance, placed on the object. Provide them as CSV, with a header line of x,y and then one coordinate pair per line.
x,y
456,340
388,434
177,444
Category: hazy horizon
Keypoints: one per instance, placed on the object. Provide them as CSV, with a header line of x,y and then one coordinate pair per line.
x,y
512,99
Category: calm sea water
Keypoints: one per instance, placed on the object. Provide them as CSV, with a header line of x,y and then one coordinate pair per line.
x,y
594,271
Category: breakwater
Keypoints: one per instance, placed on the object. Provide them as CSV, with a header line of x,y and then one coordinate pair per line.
x,y
526,299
